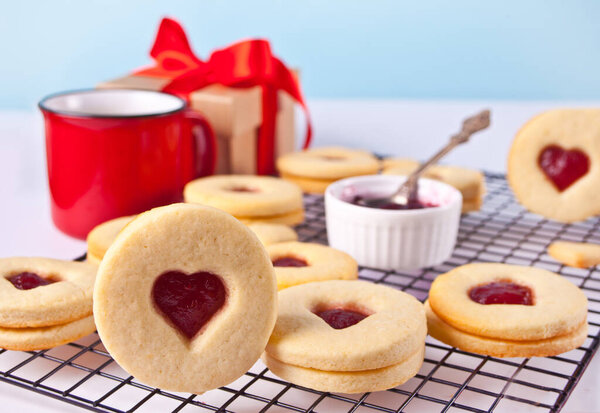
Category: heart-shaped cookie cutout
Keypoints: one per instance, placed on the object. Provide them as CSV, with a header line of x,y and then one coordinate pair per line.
x,y
340,318
563,167
188,301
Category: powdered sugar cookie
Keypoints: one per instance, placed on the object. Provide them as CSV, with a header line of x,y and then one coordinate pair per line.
x,y
554,164
41,338
302,262
246,196
273,233
41,292
508,302
185,298
575,254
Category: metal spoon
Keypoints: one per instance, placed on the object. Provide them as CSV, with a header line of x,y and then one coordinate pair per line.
x,y
407,193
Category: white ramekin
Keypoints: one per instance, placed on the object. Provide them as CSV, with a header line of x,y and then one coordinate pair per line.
x,y
392,239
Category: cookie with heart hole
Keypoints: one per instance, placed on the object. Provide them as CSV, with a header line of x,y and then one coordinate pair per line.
x,y
41,292
575,254
500,303
554,164
270,234
302,262
103,235
321,338
42,338
185,298
246,196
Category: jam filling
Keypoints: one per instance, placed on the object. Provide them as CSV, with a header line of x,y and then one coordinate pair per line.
x,y
243,189
339,318
289,262
28,280
562,167
415,204
501,292
188,301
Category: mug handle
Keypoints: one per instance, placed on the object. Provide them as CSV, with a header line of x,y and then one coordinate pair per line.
x,y
205,143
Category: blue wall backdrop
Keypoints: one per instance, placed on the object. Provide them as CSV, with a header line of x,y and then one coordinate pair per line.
x,y
537,49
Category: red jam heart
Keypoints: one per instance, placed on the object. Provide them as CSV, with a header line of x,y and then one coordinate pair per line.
x,y
501,292
243,189
563,167
28,280
339,318
188,300
289,262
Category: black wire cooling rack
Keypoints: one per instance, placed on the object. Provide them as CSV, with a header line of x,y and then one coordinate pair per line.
x,y
84,374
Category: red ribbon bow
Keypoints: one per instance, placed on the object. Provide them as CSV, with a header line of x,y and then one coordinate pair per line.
x,y
245,64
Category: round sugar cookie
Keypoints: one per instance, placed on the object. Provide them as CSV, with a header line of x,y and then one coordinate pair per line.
x,y
348,381
309,185
290,218
302,262
559,307
185,298
328,163
245,195
44,291
394,327
552,346
42,338
554,164
100,238
273,233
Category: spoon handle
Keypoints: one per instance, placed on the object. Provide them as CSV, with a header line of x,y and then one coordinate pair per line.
x,y
470,125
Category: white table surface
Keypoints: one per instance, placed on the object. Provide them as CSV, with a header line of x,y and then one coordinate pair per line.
x,y
403,128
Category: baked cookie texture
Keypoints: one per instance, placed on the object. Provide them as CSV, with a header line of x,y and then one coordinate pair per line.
x,y
248,197
575,254
470,182
554,323
314,169
67,299
270,234
568,130
192,240
322,263
100,238
381,351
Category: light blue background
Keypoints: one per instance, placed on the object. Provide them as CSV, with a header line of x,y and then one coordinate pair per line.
x,y
345,48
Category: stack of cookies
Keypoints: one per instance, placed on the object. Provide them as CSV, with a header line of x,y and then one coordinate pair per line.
x,y
469,182
45,302
251,199
347,336
507,311
313,170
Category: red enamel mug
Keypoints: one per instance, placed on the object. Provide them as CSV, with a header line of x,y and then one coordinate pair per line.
x,y
120,152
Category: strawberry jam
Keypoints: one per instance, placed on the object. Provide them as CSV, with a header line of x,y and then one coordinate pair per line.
x,y
339,318
563,167
501,292
289,262
188,301
414,204
28,280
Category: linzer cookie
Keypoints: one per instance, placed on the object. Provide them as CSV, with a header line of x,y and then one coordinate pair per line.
x,y
554,164
302,262
249,198
185,298
100,238
313,170
469,182
270,234
347,336
507,311
575,254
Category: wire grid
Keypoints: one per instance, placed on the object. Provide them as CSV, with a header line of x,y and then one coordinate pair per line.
x,y
84,374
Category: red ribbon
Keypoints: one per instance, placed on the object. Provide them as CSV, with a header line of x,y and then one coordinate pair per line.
x,y
242,65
